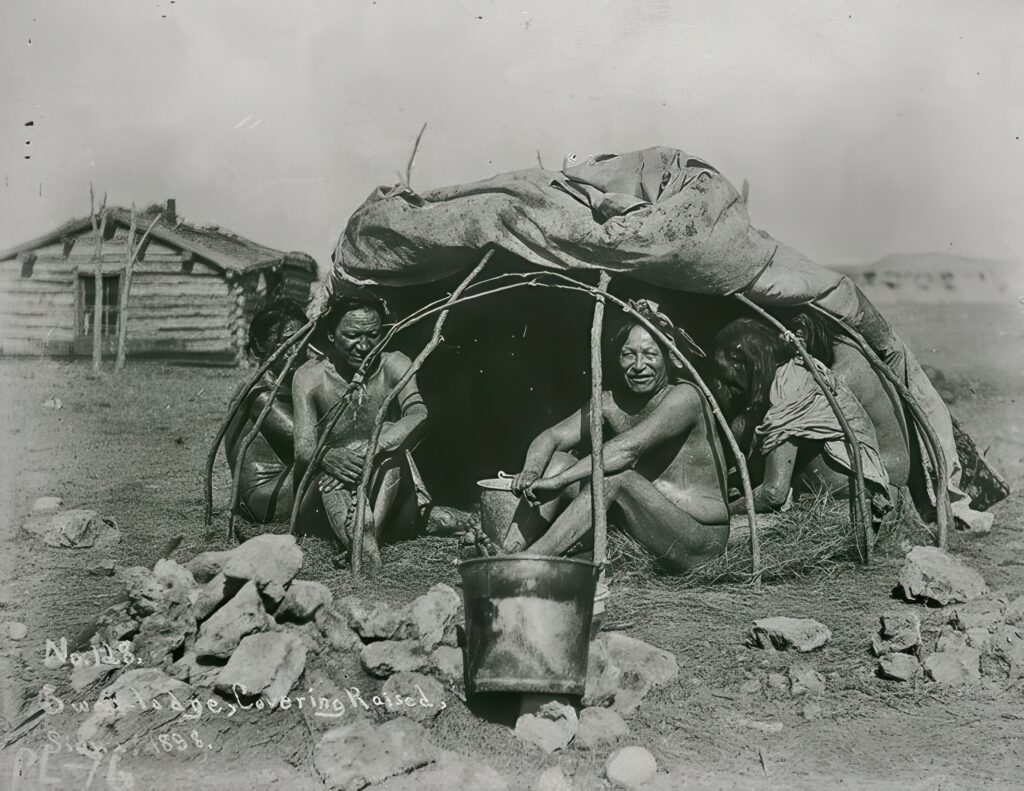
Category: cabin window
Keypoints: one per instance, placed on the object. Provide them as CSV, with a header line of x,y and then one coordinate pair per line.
x,y
28,264
87,302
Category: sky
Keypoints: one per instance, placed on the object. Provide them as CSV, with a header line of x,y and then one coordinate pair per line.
x,y
865,127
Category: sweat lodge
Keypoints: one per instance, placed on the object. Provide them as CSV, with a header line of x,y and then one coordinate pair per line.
x,y
471,332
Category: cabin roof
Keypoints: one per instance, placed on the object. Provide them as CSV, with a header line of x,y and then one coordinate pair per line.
x,y
222,248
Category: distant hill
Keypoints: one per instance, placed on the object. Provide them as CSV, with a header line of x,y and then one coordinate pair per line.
x,y
938,278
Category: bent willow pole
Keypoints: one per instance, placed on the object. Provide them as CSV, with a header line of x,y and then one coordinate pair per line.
x,y
599,518
236,402
859,500
257,426
943,511
378,423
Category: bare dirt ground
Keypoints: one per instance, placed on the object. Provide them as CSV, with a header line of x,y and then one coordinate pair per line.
x,y
132,447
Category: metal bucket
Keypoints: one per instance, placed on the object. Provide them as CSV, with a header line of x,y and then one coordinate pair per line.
x,y
501,510
527,623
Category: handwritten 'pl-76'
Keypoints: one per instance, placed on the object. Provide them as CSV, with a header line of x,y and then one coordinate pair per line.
x,y
26,758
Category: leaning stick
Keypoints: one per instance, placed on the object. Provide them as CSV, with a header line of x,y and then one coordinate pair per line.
x,y
741,464
126,287
860,507
211,457
378,424
254,432
599,517
932,444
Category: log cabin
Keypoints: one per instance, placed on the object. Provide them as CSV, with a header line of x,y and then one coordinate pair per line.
x,y
192,292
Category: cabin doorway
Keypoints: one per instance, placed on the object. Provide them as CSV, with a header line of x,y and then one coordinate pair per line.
x,y
88,322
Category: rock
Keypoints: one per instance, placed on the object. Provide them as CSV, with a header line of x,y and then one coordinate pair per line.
x,y
447,664
145,593
1014,612
449,772
201,674
207,597
899,667
900,632
628,653
308,634
115,624
221,633
379,621
105,568
79,528
265,665
811,710
86,674
974,523
931,574
435,615
334,627
806,681
356,755
16,630
954,665
47,505
1003,656
53,403
387,657
302,600
164,632
751,687
982,613
552,779
266,559
777,684
621,670
758,725
551,728
780,632
138,702
630,767
599,726
415,696
602,676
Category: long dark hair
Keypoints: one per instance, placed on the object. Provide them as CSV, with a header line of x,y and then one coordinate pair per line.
x,y
818,332
272,323
752,351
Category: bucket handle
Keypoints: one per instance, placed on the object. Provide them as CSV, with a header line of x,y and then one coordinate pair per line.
x,y
504,475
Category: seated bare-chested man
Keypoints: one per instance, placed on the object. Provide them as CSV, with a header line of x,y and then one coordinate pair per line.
x,y
782,415
354,328
665,478
265,488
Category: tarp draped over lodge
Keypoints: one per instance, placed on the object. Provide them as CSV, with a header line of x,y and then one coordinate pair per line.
x,y
657,215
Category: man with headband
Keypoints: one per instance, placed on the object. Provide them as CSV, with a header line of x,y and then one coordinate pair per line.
x,y
665,479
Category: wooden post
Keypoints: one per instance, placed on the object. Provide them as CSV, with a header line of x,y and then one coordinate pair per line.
x,y
126,287
122,302
378,424
99,227
943,509
599,517
858,501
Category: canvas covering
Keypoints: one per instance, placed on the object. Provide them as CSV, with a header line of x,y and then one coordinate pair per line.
x,y
659,215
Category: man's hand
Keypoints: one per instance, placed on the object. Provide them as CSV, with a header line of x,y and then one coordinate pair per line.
x,y
537,492
344,466
523,481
